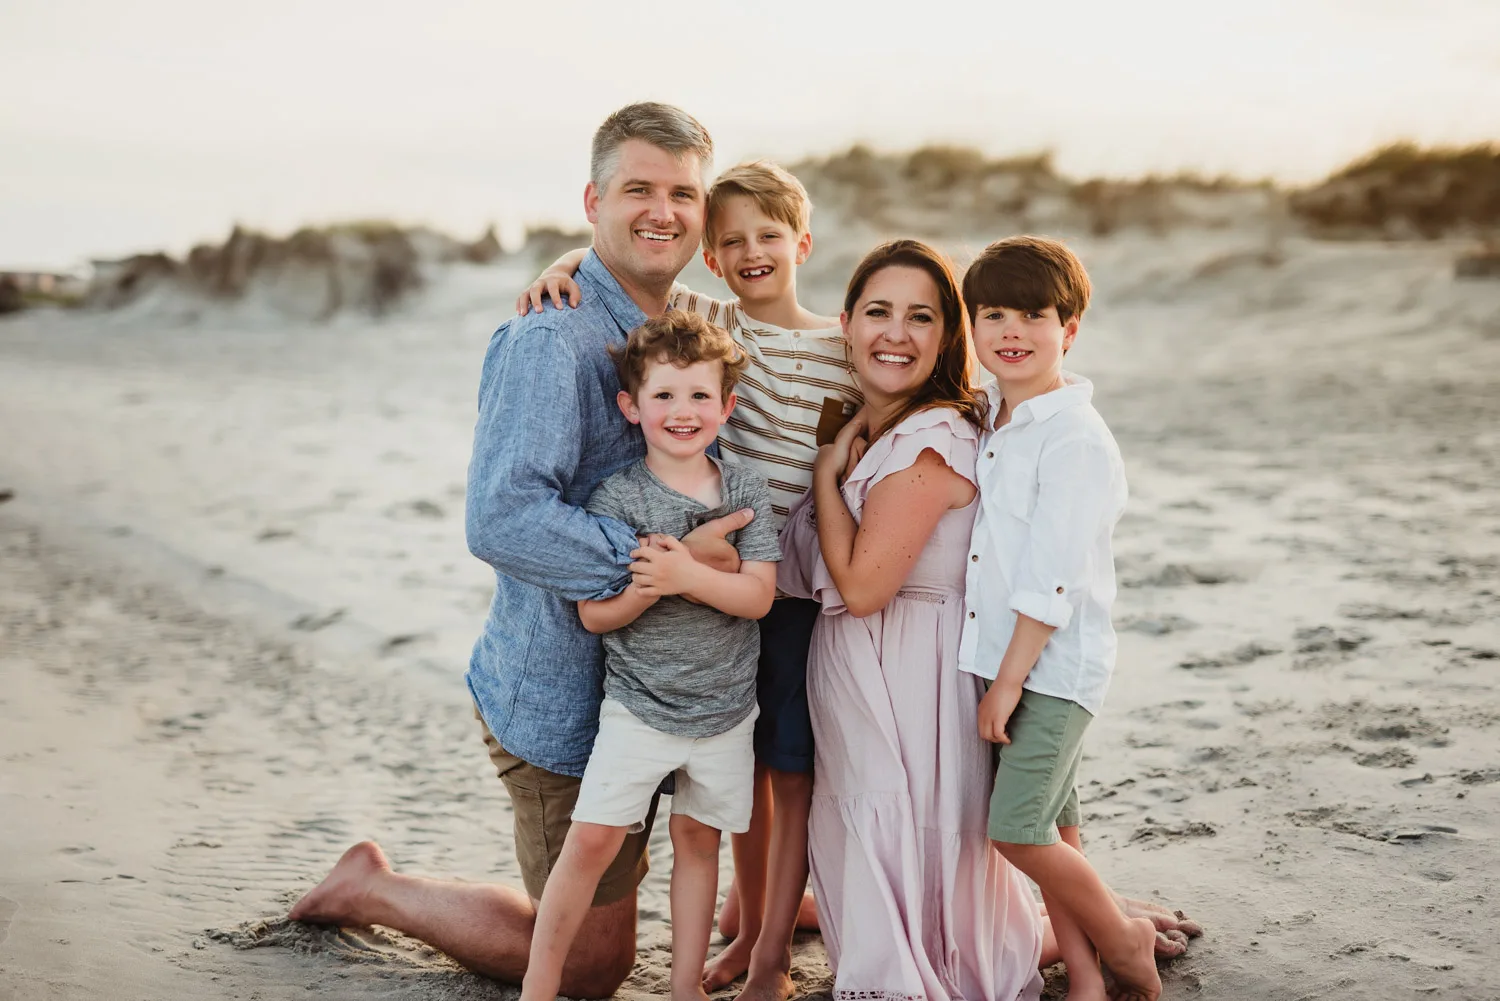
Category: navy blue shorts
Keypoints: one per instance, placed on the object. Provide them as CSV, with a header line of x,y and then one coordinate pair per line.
x,y
783,733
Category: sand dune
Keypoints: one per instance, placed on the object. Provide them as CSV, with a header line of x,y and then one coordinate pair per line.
x,y
235,608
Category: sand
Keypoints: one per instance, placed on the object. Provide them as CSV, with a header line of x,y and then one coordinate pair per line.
x,y
235,609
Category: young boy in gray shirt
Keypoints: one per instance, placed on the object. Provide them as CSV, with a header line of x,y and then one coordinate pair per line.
x,y
679,684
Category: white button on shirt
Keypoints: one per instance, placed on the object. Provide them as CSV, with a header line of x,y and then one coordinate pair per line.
x,y
1051,488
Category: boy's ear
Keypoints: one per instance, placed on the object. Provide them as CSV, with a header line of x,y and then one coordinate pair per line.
x,y
1070,331
591,202
804,248
712,262
628,407
729,404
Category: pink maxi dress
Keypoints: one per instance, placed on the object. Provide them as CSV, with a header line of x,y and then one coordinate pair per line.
x,y
914,903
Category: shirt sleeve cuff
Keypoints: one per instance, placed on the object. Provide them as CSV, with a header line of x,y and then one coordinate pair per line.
x,y
623,538
1049,609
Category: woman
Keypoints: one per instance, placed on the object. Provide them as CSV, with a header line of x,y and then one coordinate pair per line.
x,y
913,901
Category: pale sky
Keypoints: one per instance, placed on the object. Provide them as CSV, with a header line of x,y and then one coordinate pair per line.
x,y
153,124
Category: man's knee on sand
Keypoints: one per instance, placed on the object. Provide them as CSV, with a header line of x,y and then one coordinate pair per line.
x,y
603,953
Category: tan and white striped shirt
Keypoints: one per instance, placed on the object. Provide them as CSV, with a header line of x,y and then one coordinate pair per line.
x,y
793,376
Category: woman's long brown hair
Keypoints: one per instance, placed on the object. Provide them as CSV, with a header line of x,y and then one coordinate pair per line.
x,y
952,381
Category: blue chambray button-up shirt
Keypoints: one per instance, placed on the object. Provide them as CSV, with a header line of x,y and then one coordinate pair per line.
x,y
549,430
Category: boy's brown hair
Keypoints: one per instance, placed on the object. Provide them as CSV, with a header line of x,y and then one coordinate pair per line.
x,y
773,189
1028,272
680,339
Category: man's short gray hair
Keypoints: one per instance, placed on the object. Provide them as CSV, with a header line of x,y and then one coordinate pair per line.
x,y
662,125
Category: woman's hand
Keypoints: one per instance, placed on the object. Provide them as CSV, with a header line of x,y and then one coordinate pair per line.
x,y
553,282
847,449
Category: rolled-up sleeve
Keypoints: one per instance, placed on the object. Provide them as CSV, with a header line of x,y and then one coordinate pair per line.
x,y
1076,500
527,445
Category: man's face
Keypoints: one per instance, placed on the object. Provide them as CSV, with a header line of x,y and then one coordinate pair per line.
x,y
648,219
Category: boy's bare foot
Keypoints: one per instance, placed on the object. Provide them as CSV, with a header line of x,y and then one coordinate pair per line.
x,y
1173,928
339,899
694,993
1092,990
776,986
729,914
1135,973
729,965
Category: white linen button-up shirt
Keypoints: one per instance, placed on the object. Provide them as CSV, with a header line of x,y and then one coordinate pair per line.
x,y
1051,488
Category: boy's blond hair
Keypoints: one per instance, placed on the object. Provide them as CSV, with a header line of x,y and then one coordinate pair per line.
x,y
773,189
680,339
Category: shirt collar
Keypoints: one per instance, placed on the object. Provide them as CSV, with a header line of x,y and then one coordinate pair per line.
x,y
592,272
1076,391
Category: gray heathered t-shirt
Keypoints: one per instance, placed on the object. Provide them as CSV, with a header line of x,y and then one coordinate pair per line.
x,y
682,668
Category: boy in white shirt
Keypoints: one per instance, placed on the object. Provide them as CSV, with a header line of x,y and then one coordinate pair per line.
x,y
1040,585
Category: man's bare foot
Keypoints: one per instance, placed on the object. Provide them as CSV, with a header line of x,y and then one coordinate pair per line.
x,y
776,986
729,965
340,898
1135,973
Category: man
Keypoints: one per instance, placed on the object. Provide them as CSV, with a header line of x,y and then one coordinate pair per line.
x,y
548,431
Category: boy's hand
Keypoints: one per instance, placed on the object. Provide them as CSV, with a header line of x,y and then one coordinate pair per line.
x,y
663,567
995,710
555,283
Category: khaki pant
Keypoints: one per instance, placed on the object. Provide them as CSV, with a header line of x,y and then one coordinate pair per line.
x,y
542,803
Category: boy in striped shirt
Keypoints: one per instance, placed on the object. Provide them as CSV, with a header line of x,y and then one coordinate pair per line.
x,y
796,393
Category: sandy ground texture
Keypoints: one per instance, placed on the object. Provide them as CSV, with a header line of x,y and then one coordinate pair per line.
x,y
235,607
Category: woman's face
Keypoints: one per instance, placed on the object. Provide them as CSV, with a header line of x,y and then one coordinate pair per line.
x,y
895,332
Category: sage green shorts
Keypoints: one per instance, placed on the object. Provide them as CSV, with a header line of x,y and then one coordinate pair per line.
x,y
1036,781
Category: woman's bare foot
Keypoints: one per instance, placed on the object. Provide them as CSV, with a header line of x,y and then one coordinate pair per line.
x,y
1135,973
729,965
774,986
340,898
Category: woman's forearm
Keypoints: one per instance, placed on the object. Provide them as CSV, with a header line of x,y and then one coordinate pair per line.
x,y
837,528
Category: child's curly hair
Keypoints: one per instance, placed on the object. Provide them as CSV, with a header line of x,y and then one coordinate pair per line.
x,y
680,339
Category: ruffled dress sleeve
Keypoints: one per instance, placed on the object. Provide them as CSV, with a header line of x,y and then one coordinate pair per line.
x,y
802,572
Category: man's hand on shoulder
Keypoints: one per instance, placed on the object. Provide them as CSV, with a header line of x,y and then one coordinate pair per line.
x,y
709,544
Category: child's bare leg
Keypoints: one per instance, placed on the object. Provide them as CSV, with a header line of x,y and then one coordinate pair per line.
x,y
587,852
1071,884
770,974
695,890
1085,980
740,917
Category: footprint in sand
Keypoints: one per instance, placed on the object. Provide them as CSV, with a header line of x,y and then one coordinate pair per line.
x,y
1245,653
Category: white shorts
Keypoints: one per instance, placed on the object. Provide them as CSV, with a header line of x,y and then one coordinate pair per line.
x,y
715,775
